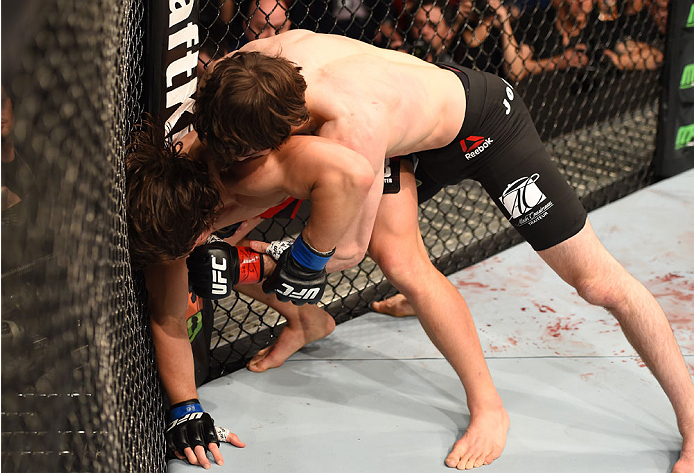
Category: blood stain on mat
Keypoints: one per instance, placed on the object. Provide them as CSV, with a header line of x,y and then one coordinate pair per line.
x,y
544,308
460,284
675,294
563,324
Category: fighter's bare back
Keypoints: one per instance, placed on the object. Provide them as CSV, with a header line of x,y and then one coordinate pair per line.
x,y
400,102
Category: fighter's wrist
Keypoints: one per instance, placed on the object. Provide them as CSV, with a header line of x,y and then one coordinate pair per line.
x,y
180,409
269,264
251,266
308,256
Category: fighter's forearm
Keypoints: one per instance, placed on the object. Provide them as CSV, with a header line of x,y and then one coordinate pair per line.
x,y
335,205
174,358
167,288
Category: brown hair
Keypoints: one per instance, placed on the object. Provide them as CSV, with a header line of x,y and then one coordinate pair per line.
x,y
249,102
171,198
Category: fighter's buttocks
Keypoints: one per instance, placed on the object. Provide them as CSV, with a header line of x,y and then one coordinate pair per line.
x,y
365,87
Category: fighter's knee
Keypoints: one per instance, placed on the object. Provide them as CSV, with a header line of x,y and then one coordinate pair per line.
x,y
598,291
396,267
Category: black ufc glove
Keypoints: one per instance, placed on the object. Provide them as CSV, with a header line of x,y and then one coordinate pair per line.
x,y
215,268
189,426
300,274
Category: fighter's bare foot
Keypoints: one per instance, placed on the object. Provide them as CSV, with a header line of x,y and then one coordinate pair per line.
x,y
306,324
397,306
482,442
685,464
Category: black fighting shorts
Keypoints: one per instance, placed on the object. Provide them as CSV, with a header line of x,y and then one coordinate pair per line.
x,y
499,147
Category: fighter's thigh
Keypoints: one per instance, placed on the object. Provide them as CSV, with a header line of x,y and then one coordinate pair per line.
x,y
396,228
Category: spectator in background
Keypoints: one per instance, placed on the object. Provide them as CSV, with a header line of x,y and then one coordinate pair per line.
x,y
265,18
628,34
431,32
658,11
481,34
545,40
358,19
390,32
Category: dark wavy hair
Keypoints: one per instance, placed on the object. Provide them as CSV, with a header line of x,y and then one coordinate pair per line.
x,y
249,102
171,198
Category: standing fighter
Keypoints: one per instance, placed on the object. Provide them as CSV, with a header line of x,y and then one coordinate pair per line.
x,y
461,124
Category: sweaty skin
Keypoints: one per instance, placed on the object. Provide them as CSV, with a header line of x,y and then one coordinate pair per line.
x,y
382,103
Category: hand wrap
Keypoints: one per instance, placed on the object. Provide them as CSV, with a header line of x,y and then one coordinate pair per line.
x,y
215,268
300,275
189,426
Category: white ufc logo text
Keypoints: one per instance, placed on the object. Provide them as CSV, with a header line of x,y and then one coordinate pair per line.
x,y
185,418
219,282
290,292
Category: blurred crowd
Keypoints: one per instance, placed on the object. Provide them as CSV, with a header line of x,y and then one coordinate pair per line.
x,y
513,38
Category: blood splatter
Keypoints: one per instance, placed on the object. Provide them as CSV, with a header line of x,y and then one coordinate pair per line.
x,y
562,324
544,308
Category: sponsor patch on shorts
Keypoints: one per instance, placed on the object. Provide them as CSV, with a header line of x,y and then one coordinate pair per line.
x,y
525,202
473,145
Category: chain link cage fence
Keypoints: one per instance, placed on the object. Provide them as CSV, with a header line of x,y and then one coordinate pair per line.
x,y
589,71
79,386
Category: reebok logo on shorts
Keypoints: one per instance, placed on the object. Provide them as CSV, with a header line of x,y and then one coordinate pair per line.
x,y
474,145
521,199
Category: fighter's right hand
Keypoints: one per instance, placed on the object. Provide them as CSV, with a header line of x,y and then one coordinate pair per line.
x,y
215,268
300,275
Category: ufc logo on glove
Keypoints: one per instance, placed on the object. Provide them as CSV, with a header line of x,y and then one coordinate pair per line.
x,y
219,282
300,275
184,419
307,294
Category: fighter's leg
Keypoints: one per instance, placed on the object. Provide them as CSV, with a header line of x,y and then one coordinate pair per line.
x,y
397,247
305,324
583,262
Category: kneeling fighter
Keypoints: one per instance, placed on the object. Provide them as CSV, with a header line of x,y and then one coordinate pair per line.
x,y
176,199
460,124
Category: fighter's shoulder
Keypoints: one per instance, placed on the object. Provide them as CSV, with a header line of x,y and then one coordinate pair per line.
x,y
278,43
308,147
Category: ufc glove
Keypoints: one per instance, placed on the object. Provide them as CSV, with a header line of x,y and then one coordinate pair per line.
x,y
300,275
189,426
215,268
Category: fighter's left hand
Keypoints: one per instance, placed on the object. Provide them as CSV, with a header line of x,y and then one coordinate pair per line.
x,y
198,456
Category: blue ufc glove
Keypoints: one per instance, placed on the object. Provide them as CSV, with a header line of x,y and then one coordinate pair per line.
x,y
189,426
300,274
